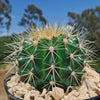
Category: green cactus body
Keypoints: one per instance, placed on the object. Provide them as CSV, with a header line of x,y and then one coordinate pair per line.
x,y
51,60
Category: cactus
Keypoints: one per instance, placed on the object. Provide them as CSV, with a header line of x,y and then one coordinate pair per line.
x,y
51,56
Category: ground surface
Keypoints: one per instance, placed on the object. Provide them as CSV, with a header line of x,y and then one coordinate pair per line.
x,y
3,95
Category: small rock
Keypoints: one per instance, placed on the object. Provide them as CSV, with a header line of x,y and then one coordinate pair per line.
x,y
73,98
28,86
98,85
75,93
39,98
22,84
91,73
21,93
27,96
11,90
82,97
21,89
47,97
92,93
90,84
83,89
15,88
43,92
65,98
15,78
57,93
18,96
34,93
11,84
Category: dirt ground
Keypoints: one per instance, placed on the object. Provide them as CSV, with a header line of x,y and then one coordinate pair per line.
x,y
3,95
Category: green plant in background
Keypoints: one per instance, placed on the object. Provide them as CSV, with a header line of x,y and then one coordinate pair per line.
x,y
3,48
2,66
53,56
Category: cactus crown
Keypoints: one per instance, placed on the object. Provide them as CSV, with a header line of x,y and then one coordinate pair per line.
x,y
53,56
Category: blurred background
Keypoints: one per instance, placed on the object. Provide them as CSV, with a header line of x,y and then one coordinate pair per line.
x,y
16,16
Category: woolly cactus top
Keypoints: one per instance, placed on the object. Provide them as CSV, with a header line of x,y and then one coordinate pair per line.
x,y
51,56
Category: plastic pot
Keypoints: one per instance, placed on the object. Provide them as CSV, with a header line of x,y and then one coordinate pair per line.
x,y
11,97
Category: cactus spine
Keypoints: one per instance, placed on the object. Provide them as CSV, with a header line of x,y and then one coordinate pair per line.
x,y
53,56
